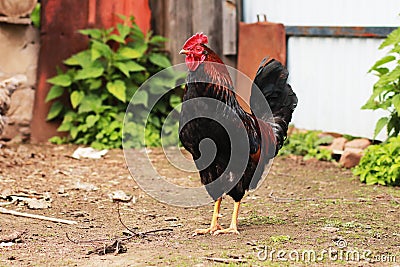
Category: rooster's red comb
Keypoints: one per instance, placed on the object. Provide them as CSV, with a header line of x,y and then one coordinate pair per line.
x,y
198,38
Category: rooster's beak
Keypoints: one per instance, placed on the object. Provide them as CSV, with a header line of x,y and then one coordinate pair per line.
x,y
183,51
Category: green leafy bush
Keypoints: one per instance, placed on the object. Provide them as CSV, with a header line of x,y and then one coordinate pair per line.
x,y
381,163
307,144
100,81
386,91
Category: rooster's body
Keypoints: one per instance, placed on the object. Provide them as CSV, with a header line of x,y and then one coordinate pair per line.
x,y
209,90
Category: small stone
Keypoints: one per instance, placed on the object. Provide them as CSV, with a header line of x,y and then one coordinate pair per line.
x,y
361,143
36,204
338,144
350,159
120,195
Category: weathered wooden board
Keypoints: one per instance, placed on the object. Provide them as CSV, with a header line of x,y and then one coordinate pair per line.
x,y
179,19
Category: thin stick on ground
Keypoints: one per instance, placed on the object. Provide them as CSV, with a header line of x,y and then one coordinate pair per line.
x,y
131,231
34,216
139,234
225,260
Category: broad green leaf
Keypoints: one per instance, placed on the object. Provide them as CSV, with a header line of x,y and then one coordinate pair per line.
x,y
379,125
396,48
392,38
82,59
140,97
389,77
123,30
103,49
129,66
117,88
381,71
158,90
95,54
129,53
117,38
55,110
396,102
90,103
62,80
89,72
94,83
35,15
160,60
76,98
65,126
57,140
91,120
382,61
74,132
158,39
55,91
137,33
95,33
175,101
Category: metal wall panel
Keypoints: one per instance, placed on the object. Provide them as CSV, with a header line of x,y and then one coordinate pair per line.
x,y
331,80
330,74
325,12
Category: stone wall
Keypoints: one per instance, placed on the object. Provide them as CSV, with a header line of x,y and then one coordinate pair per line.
x,y
19,48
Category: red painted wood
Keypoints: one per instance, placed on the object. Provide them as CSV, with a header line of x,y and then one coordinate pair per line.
x,y
60,22
107,16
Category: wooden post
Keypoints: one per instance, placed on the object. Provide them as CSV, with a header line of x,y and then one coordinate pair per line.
x,y
179,19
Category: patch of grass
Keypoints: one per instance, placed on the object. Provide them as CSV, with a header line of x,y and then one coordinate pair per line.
x,y
346,225
280,238
255,219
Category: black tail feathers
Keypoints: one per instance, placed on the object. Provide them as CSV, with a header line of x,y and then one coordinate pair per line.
x,y
271,79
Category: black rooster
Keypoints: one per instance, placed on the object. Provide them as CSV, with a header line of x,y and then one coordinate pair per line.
x,y
209,91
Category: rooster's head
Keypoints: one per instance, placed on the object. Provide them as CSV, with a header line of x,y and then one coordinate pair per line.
x,y
195,50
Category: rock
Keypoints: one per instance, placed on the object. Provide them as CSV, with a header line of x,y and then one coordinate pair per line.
x,y
338,144
361,143
15,8
350,159
19,115
120,195
37,204
334,135
85,186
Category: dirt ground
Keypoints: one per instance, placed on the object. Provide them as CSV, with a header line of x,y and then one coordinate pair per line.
x,y
305,213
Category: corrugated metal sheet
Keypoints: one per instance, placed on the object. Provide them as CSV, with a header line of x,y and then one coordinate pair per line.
x,y
330,77
330,74
325,12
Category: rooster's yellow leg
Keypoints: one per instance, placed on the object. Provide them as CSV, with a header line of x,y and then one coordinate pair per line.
x,y
233,227
214,222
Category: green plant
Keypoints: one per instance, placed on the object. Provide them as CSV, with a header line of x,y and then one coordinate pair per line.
x,y
386,91
35,16
381,163
307,144
99,82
